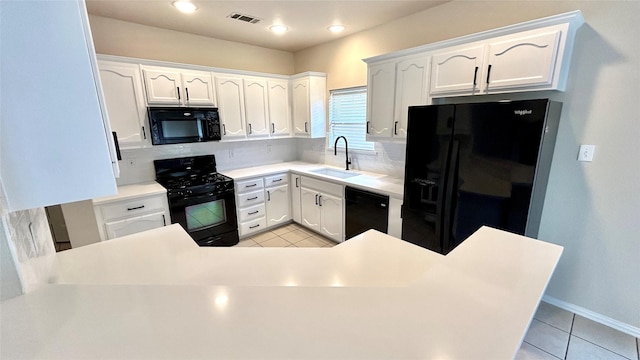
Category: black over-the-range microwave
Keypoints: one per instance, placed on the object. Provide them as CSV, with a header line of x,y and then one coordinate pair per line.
x,y
183,125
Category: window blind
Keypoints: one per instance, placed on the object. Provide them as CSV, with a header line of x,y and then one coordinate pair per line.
x,y
348,117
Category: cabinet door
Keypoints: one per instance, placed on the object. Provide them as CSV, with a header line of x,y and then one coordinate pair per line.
x,y
256,107
522,61
122,87
300,97
279,107
134,225
295,199
412,78
278,205
231,107
310,211
331,217
381,89
163,87
198,88
457,72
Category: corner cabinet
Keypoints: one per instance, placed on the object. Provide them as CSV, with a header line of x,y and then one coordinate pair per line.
x,y
124,97
171,86
393,86
61,149
309,101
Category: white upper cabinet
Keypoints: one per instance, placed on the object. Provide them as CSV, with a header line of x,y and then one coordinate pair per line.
x,y
170,86
124,96
392,88
59,148
412,83
522,60
381,90
531,56
309,105
457,71
256,106
279,112
230,91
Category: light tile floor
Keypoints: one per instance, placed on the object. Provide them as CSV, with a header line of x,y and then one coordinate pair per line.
x,y
559,334
291,235
554,333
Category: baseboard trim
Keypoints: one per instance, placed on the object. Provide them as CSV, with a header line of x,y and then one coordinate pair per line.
x,y
591,315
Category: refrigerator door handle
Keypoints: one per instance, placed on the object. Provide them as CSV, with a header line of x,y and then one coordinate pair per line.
x,y
451,191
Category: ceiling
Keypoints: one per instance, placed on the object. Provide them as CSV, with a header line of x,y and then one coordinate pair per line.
x,y
307,20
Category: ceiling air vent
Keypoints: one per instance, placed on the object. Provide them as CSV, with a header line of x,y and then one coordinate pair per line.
x,y
244,17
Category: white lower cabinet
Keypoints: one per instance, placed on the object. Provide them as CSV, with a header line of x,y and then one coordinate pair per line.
x,y
131,215
322,207
262,202
295,198
134,225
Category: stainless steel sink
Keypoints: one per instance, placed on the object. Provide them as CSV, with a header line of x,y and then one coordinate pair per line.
x,y
340,174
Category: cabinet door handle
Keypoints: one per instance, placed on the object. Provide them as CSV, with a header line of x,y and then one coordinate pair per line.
x,y
252,185
316,199
268,195
254,226
368,126
135,208
320,200
273,128
475,77
488,74
297,179
164,220
253,212
276,180
395,128
224,130
253,198
186,91
250,129
305,127
144,134
178,88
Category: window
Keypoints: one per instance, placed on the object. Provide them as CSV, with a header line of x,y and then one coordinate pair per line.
x,y
348,117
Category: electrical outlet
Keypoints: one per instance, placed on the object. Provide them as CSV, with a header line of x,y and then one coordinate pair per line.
x,y
586,153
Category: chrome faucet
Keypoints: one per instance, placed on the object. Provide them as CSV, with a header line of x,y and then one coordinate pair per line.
x,y
346,149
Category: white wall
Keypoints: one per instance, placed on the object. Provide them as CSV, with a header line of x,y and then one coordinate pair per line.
x,y
592,209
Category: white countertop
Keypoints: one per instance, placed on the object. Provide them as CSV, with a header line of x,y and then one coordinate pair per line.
x,y
135,190
388,185
156,295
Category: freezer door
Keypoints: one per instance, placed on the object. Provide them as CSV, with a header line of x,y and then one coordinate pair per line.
x,y
495,153
429,137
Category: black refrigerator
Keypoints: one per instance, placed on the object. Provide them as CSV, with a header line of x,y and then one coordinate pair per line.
x,y
469,165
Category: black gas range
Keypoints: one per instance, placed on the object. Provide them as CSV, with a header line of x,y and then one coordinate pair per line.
x,y
200,199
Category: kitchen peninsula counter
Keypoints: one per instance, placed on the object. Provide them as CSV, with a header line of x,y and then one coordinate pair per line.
x,y
156,295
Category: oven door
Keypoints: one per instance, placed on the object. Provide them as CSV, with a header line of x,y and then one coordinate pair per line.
x,y
209,219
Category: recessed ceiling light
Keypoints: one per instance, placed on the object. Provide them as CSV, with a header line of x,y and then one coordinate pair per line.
x,y
336,28
185,6
278,29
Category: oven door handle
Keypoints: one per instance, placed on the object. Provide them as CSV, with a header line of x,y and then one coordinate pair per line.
x,y
199,199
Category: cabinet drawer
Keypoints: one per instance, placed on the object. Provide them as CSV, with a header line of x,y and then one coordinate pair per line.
x,y
134,225
323,186
132,207
251,198
249,185
252,212
276,180
252,226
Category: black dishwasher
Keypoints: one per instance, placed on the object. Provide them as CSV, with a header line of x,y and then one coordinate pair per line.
x,y
365,210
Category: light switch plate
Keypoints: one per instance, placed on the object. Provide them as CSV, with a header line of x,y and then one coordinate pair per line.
x,y
586,153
